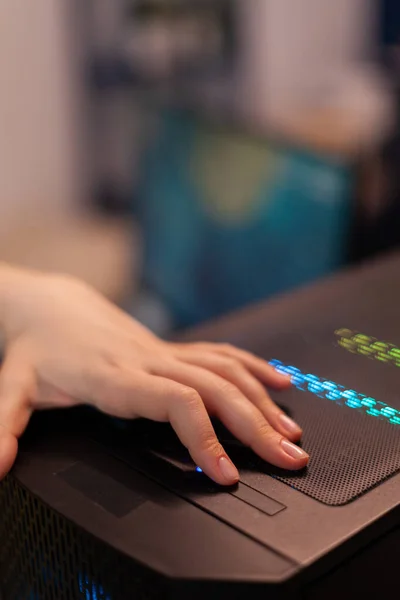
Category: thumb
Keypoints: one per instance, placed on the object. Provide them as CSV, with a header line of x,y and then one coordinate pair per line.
x,y
17,386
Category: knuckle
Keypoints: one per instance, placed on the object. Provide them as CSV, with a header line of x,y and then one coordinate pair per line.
x,y
265,430
231,364
209,443
189,397
227,389
260,391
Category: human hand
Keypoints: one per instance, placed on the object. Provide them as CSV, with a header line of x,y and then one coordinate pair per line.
x,y
67,345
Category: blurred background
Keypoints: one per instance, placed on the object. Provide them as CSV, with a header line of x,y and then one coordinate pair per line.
x,y
191,157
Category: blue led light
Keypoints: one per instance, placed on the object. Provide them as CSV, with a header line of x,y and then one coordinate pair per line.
x,y
314,385
353,403
293,370
299,380
330,390
199,470
90,590
374,412
370,402
275,363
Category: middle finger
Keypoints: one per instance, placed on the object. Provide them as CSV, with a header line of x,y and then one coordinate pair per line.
x,y
233,371
237,413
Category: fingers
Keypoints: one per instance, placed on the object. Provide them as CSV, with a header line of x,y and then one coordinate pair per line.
x,y
16,390
232,370
130,394
257,366
241,417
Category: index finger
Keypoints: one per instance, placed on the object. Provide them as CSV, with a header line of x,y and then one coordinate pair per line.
x,y
16,382
131,394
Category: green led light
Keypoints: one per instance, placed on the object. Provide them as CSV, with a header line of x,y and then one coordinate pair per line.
x,y
365,350
348,345
344,333
382,357
369,347
362,339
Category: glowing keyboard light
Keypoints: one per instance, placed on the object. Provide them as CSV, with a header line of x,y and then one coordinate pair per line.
x,y
370,347
332,391
369,402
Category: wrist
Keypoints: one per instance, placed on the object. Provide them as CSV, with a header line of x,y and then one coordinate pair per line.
x,y
13,282
6,277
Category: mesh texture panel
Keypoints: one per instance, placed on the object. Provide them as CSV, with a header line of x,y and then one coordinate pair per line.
x,y
350,452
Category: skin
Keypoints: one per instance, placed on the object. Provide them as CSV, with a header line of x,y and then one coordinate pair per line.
x,y
67,345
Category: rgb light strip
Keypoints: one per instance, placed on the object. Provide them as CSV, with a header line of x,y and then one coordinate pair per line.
x,y
334,392
91,590
358,343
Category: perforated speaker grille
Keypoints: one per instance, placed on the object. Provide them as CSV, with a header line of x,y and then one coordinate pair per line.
x,y
45,557
350,452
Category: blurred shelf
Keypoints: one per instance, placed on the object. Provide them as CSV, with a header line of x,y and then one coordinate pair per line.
x,y
343,133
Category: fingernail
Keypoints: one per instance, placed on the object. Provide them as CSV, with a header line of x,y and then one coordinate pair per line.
x,y
293,451
284,376
228,470
288,424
